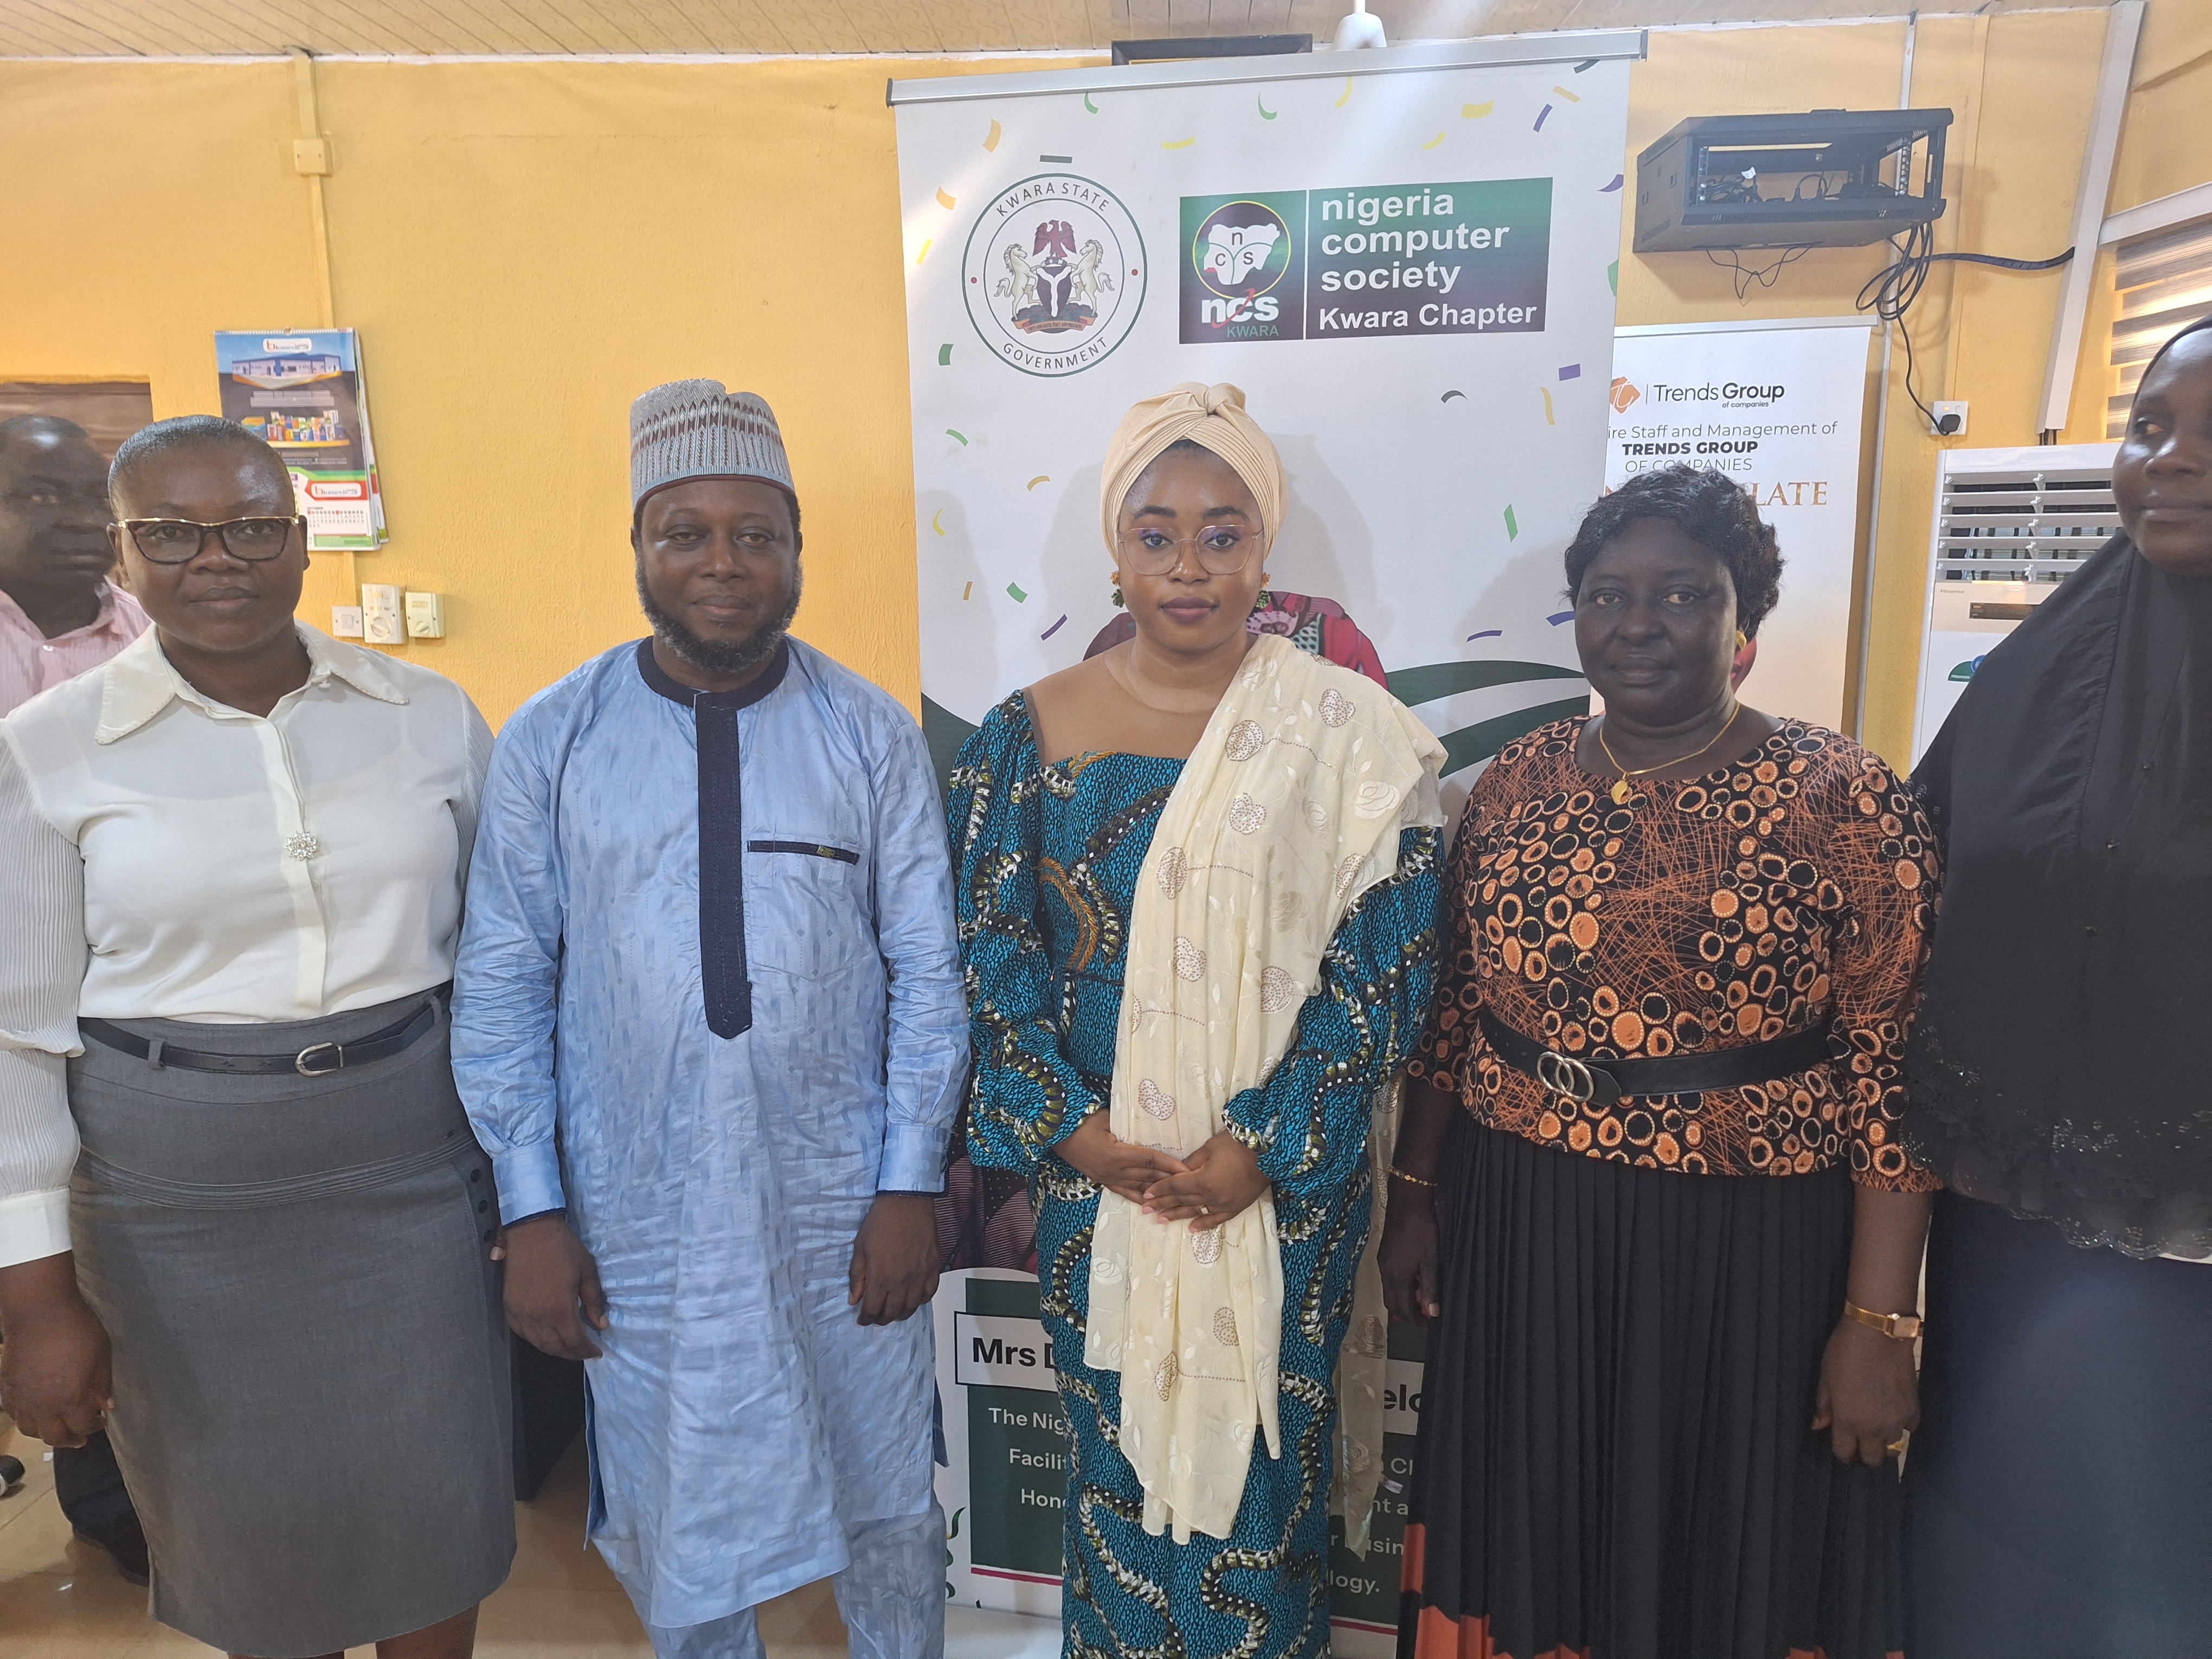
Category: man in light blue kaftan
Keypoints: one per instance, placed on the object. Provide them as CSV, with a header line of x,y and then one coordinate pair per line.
x,y
708,1014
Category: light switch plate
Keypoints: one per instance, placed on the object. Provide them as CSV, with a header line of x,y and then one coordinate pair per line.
x,y
380,622
345,622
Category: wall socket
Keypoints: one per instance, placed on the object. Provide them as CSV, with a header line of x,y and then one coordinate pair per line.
x,y
1945,408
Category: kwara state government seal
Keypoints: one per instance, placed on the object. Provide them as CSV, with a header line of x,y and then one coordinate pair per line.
x,y
1054,274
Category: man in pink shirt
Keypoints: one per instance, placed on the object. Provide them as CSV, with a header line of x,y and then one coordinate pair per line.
x,y
59,615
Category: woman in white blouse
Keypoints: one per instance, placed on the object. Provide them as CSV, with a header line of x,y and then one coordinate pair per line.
x,y
231,866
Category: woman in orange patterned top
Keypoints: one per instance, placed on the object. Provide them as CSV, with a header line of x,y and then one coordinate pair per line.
x,y
1648,1194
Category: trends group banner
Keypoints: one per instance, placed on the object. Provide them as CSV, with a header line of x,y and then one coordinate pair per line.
x,y
1407,259
1778,407
1410,270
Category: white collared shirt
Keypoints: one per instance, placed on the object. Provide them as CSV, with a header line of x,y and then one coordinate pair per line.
x,y
163,856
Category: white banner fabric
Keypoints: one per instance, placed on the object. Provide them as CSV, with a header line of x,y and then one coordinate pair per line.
x,y
1778,407
1411,275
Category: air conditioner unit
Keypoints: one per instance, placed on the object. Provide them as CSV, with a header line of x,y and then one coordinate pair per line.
x,y
2010,525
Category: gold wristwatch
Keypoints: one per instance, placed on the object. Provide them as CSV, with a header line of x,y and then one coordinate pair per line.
x,y
1904,1327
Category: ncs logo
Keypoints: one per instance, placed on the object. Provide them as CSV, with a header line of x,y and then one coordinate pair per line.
x,y
1241,263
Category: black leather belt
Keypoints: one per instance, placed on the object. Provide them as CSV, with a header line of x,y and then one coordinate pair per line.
x,y
316,1060
1603,1082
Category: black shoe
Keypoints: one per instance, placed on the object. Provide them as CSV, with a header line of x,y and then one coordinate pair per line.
x,y
125,1544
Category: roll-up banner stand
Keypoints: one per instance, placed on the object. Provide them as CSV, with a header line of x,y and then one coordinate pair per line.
x,y
1407,259
1777,406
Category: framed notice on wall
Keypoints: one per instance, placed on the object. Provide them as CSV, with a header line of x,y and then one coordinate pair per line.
x,y
302,391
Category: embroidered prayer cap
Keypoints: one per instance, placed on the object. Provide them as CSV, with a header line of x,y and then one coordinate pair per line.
x,y
1211,415
699,429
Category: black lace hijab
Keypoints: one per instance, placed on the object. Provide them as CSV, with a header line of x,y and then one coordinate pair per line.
x,y
2062,1065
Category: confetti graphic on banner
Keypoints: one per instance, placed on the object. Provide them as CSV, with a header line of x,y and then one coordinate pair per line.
x,y
1178,144
1042,478
1055,628
1550,419
967,590
1016,594
1449,396
1512,526
1572,372
997,133
1062,160
1476,111
1434,141
1587,63
928,242
1612,276
945,355
1487,633
948,202
1346,99
1266,114
1558,616
1088,104
1541,114
962,436
936,521
1619,179
1571,97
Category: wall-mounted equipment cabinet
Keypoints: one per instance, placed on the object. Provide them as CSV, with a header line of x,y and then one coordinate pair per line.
x,y
1829,178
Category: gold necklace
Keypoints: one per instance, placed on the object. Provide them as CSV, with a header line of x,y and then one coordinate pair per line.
x,y
1621,791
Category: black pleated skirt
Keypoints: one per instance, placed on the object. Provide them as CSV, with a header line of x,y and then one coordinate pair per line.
x,y
2059,1496
1616,1461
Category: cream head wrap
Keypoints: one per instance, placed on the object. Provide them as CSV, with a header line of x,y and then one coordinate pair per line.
x,y
1213,415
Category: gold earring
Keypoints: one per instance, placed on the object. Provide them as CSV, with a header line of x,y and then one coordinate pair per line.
x,y
1742,639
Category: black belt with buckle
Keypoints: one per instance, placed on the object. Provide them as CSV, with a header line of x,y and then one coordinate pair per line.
x,y
1603,1082
316,1060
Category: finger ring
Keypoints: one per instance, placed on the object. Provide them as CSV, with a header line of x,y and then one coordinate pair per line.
x,y
1202,1210
1897,1446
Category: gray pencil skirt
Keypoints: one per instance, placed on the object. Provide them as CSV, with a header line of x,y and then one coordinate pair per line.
x,y
311,1384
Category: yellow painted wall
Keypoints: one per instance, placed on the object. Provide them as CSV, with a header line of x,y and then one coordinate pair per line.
x,y
527,246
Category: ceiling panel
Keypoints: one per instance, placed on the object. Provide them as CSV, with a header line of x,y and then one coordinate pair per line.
x,y
68,28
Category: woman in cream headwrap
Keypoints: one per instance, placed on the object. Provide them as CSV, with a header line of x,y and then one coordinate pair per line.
x,y
1197,880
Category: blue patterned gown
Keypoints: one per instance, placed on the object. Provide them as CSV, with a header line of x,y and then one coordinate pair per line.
x,y
1048,860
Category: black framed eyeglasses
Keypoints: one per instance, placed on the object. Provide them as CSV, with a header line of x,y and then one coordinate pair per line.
x,y
179,541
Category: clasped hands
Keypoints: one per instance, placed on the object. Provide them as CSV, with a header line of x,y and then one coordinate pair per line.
x,y
1218,1181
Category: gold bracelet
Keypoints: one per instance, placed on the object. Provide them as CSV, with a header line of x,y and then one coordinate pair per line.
x,y
1415,1179
1903,1327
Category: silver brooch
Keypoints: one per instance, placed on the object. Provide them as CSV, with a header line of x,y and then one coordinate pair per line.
x,y
303,845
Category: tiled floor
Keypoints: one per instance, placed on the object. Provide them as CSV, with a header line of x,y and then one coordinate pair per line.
x,y
61,1599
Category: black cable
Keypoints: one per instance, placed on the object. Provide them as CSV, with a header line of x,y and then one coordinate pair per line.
x,y
2051,264
1745,274
1890,292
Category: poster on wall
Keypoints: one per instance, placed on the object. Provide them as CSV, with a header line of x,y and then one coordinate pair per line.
x,y
302,391
1410,270
1778,407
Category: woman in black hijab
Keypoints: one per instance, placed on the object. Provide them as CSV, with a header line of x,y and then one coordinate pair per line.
x,y
2060,1486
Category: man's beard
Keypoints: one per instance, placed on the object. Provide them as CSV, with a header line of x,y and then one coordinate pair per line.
x,y
742,658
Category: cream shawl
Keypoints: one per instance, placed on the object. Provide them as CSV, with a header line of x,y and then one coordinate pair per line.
x,y
1289,808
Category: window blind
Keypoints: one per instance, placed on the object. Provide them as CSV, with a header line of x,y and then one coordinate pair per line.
x,y
2164,283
